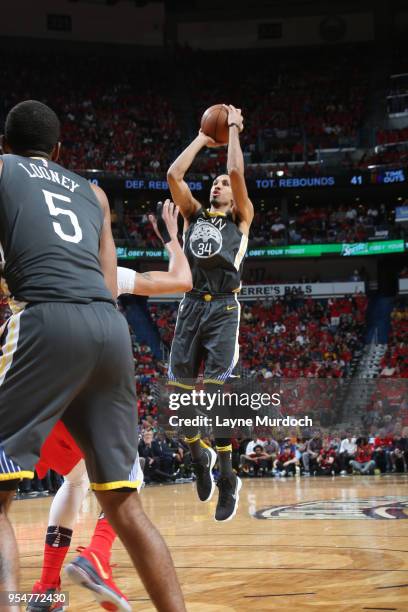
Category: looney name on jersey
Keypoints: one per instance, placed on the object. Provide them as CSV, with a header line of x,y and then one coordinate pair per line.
x,y
43,172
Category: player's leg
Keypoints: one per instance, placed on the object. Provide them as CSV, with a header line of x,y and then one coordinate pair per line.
x,y
229,484
220,339
9,571
32,346
94,561
63,516
203,463
103,538
146,548
60,452
92,569
184,362
103,422
68,500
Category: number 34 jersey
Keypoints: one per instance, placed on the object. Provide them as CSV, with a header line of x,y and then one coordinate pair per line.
x,y
215,249
50,227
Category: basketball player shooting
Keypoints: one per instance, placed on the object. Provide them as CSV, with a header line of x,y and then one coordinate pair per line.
x,y
215,242
66,351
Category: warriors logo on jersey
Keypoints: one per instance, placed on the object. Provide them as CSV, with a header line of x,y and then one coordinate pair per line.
x,y
205,240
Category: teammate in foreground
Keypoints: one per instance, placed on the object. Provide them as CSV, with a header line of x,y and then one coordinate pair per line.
x,y
57,347
207,326
60,453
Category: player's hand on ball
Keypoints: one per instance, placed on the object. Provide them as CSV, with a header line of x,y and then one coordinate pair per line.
x,y
234,116
165,223
208,141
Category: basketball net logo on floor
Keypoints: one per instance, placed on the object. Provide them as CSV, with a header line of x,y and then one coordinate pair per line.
x,y
388,507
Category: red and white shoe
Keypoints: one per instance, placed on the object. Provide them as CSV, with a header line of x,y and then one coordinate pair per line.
x,y
48,603
92,572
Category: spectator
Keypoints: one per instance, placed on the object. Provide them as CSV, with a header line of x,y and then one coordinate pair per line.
x,y
327,462
154,456
399,456
286,462
347,452
364,462
313,448
271,447
169,454
254,442
257,463
383,446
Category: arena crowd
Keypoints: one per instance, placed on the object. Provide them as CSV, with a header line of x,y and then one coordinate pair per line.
x,y
303,224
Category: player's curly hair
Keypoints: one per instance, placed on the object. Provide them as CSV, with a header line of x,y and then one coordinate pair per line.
x,y
32,127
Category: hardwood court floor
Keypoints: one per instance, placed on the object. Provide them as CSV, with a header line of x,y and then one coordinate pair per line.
x,y
294,564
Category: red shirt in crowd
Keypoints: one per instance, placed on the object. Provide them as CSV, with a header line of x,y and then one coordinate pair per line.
x,y
283,457
385,442
364,453
326,455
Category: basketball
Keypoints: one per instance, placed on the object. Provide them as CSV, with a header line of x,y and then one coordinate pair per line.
x,y
214,123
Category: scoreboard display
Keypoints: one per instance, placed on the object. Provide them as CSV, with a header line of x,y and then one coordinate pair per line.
x,y
381,177
366,178
345,179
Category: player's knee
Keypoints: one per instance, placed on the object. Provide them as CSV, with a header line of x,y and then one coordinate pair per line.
x,y
78,477
79,483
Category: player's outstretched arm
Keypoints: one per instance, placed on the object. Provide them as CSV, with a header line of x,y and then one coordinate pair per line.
x,y
176,279
180,191
235,167
107,250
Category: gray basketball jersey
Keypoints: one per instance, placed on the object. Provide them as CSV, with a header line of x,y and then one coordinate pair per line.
x,y
215,249
50,226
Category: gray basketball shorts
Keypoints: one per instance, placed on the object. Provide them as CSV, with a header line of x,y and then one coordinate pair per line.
x,y
72,362
206,331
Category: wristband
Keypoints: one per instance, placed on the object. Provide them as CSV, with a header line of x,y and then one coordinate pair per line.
x,y
126,280
236,125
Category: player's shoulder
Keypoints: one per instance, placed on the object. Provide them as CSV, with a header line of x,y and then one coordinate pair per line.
x,y
100,196
98,191
4,157
7,159
199,212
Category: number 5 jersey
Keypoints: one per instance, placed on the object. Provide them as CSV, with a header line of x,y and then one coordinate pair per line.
x,y
50,227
